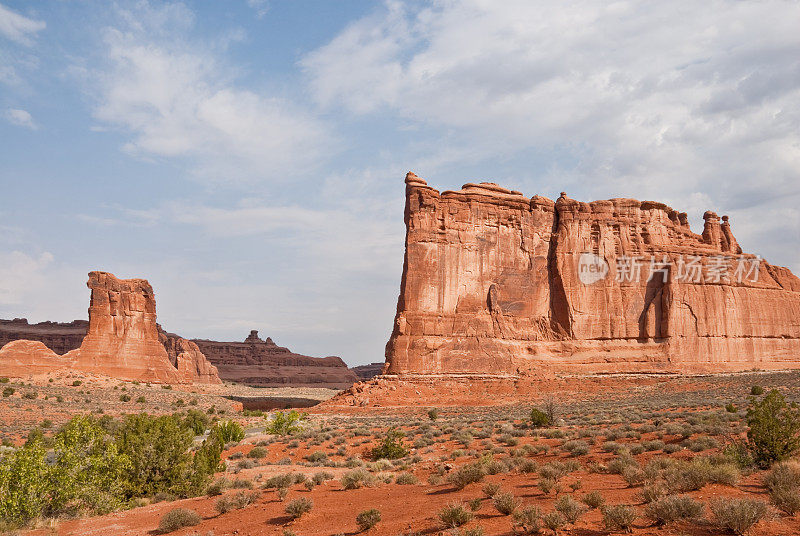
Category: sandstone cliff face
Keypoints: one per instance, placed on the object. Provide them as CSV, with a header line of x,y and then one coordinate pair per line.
x,y
491,285
186,357
32,357
59,337
264,363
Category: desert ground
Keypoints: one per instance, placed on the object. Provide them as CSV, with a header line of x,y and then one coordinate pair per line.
x,y
462,469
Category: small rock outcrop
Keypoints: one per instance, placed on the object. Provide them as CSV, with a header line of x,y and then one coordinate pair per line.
x,y
265,364
192,365
496,283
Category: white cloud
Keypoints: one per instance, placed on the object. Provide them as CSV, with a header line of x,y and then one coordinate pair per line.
x,y
20,118
676,101
261,6
177,98
18,28
20,272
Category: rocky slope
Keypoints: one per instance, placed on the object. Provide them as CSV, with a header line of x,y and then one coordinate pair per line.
x,y
263,363
496,283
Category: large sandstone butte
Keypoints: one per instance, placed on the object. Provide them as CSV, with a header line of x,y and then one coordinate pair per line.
x,y
491,286
263,363
121,340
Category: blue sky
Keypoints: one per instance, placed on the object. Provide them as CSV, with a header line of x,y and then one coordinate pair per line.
x,y
248,157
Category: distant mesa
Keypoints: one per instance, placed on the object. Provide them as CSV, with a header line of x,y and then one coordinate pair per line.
x,y
262,363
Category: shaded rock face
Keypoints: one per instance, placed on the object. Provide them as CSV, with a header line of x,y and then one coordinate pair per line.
x,y
493,284
120,340
263,363
60,337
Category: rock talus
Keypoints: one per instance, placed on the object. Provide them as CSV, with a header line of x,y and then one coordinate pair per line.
x,y
496,283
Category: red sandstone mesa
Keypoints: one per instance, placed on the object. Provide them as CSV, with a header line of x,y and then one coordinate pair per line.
x,y
490,286
122,340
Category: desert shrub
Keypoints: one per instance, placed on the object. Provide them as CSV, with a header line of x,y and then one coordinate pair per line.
x,y
787,500
467,474
406,479
505,502
783,484
475,504
368,519
490,489
618,517
774,427
673,508
24,484
286,422
756,390
356,478
731,407
321,477
178,519
228,432
4,379
197,421
433,414
8,391
141,400
554,521
593,499
235,501
539,418
391,447
737,515
654,491
127,398
546,485
217,487
576,447
298,507
528,520
568,507
257,453
77,383
454,515
242,483
633,475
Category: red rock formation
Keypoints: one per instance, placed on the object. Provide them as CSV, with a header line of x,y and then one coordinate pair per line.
x,y
23,358
491,285
59,337
192,365
265,364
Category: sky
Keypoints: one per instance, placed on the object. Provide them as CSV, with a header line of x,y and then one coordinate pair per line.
x,y
247,157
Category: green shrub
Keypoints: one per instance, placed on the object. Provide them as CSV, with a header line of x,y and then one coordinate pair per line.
x,y
505,502
286,422
298,507
454,515
757,390
673,508
197,421
391,447
539,418
77,383
4,379
356,478
178,519
774,429
8,391
127,398
368,519
217,487
433,414
737,515
554,521
406,479
528,520
227,432
618,517
467,474
731,408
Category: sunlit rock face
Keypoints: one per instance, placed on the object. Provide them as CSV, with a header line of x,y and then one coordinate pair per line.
x,y
496,283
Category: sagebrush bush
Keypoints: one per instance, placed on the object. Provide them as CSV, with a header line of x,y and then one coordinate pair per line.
x,y
257,453
298,507
357,478
505,502
391,447
454,515
368,518
593,499
568,507
235,501
406,479
467,474
618,517
178,519
673,508
490,489
528,520
554,521
737,515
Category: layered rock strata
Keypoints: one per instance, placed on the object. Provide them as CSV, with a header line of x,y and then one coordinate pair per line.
x,y
265,364
496,283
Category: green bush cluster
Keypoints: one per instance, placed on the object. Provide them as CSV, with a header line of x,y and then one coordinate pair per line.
x,y
391,447
94,466
286,422
774,433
